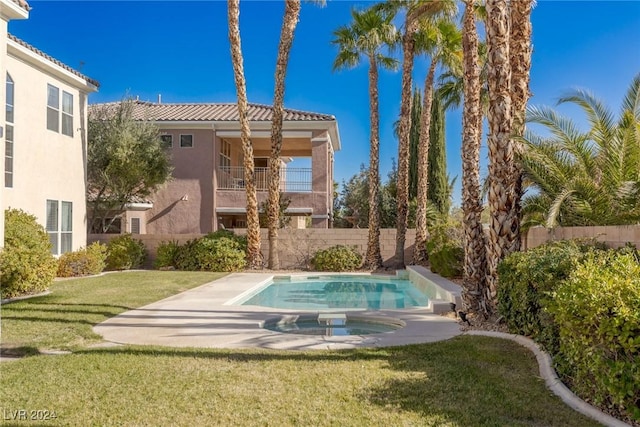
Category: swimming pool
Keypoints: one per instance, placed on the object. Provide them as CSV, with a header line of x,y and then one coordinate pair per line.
x,y
345,292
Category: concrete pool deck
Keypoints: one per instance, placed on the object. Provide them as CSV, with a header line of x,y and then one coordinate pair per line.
x,y
200,318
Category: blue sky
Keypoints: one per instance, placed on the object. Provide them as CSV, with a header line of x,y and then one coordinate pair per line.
x,y
180,49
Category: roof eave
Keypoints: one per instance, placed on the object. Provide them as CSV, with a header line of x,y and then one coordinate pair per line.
x,y
11,10
30,57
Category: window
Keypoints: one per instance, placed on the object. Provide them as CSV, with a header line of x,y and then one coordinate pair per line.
x,y
186,141
55,114
260,162
60,226
8,147
167,140
225,154
53,103
135,225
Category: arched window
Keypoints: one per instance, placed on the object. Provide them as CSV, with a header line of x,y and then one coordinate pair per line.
x,y
8,152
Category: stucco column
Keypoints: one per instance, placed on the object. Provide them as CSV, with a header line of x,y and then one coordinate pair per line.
x,y
320,175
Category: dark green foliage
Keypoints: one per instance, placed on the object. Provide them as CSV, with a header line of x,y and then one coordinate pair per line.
x,y
239,239
84,262
598,314
337,258
438,191
211,254
26,263
125,253
166,254
283,218
445,250
526,282
414,138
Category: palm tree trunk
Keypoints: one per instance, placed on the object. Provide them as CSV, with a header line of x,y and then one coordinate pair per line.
x,y
420,249
408,46
520,61
373,260
501,196
475,259
254,256
289,22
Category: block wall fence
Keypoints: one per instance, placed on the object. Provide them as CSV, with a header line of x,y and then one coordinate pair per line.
x,y
296,246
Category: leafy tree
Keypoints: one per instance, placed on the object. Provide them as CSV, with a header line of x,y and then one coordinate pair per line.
x,y
283,219
126,161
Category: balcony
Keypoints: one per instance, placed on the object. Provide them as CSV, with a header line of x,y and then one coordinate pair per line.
x,y
292,180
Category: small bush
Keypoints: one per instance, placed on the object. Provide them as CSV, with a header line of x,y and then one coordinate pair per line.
x,y
337,258
241,240
526,281
444,248
598,314
124,253
166,254
26,263
211,254
84,262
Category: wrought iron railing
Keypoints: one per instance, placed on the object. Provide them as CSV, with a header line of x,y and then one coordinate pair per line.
x,y
294,180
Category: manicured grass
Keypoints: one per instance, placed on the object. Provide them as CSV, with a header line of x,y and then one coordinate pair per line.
x,y
467,381
63,319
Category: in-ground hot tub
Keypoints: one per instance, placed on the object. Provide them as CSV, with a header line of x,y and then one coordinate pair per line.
x,y
332,324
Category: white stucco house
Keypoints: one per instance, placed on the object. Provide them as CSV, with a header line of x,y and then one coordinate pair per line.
x,y
43,136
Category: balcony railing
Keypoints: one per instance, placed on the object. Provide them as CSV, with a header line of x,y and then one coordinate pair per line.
x,y
294,180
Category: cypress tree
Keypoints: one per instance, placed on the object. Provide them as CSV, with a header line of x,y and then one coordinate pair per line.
x,y
438,191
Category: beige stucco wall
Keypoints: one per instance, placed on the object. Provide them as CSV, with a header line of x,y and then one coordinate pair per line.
x,y
47,164
3,70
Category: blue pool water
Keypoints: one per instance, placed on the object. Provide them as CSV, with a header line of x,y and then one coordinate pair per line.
x,y
343,292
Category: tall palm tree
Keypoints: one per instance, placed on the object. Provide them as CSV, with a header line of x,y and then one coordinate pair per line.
x,y
414,11
289,23
501,190
441,40
370,32
584,178
520,61
475,261
254,256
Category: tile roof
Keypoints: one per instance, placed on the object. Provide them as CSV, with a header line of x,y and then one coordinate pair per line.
x,y
51,59
216,112
23,4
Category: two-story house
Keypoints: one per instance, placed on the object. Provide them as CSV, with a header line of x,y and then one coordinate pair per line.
x,y
207,190
43,133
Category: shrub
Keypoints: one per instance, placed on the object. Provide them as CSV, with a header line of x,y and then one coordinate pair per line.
x,y
124,253
526,280
598,314
26,262
166,254
211,254
84,262
241,240
337,258
444,247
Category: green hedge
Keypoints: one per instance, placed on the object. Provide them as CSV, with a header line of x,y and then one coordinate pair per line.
x,y
337,258
26,263
445,250
166,254
124,253
526,281
211,253
84,262
598,313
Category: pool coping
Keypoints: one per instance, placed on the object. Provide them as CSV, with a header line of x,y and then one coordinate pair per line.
x,y
199,318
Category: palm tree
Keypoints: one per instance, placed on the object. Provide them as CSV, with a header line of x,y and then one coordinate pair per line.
x,y
289,22
414,11
254,256
501,190
441,40
370,31
583,178
520,60
474,272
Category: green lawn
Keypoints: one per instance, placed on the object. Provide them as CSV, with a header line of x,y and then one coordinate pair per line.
x,y
466,381
63,319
